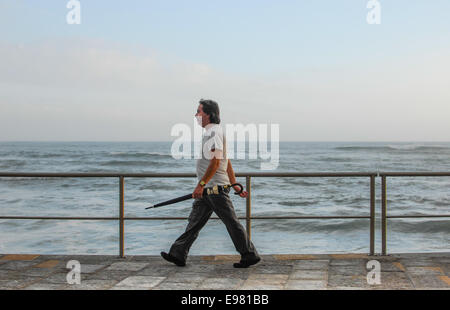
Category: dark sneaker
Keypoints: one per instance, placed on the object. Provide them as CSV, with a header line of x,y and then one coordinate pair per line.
x,y
245,263
173,259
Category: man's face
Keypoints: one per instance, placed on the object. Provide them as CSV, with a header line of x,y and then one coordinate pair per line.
x,y
202,117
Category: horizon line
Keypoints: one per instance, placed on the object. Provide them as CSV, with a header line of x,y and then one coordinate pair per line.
x,y
304,141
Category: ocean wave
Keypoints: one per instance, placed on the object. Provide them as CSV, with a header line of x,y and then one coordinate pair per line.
x,y
300,182
130,163
140,154
295,203
91,170
442,203
433,226
351,200
32,180
400,147
421,147
10,224
338,159
28,154
311,226
7,163
158,186
348,226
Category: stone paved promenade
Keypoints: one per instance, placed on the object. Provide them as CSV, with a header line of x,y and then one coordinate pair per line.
x,y
277,272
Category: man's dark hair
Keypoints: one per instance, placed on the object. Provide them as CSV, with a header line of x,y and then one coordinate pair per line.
x,y
211,108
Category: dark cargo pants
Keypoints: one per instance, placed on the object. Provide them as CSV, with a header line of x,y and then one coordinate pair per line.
x,y
201,211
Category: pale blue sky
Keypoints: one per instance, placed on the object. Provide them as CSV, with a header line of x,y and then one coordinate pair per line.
x,y
315,67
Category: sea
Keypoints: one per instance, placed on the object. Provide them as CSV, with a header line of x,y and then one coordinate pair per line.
x,y
299,196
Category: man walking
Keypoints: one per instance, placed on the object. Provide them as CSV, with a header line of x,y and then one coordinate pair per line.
x,y
213,169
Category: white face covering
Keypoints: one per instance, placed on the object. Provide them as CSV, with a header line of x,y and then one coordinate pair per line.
x,y
199,120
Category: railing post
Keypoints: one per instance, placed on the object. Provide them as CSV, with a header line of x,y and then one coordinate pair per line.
x,y
383,215
372,215
248,212
121,217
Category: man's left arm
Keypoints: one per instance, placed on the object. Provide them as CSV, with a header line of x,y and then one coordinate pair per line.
x,y
232,178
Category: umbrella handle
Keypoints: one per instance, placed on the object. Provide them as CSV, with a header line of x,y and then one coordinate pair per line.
x,y
240,185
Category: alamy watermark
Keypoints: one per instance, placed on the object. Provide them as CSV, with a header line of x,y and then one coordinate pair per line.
x,y
374,275
74,275
374,15
73,17
257,142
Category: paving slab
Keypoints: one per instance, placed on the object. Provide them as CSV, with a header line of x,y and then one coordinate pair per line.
x,y
349,256
348,270
200,268
140,282
265,282
272,278
17,265
16,284
220,284
37,272
130,266
338,280
394,280
17,275
144,258
427,270
306,285
176,286
309,275
6,274
319,264
417,262
399,266
44,286
348,262
91,285
187,277
51,263
234,274
294,256
157,271
429,282
260,285
269,268
445,279
21,257
118,275
85,268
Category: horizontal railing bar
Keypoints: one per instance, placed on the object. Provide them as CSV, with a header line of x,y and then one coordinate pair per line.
x,y
180,175
415,174
238,174
417,216
306,174
174,218
259,217
57,218
93,174
214,218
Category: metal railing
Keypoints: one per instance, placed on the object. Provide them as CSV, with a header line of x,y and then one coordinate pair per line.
x,y
384,215
248,217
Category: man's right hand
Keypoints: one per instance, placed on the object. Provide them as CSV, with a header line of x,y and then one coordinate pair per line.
x,y
198,192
